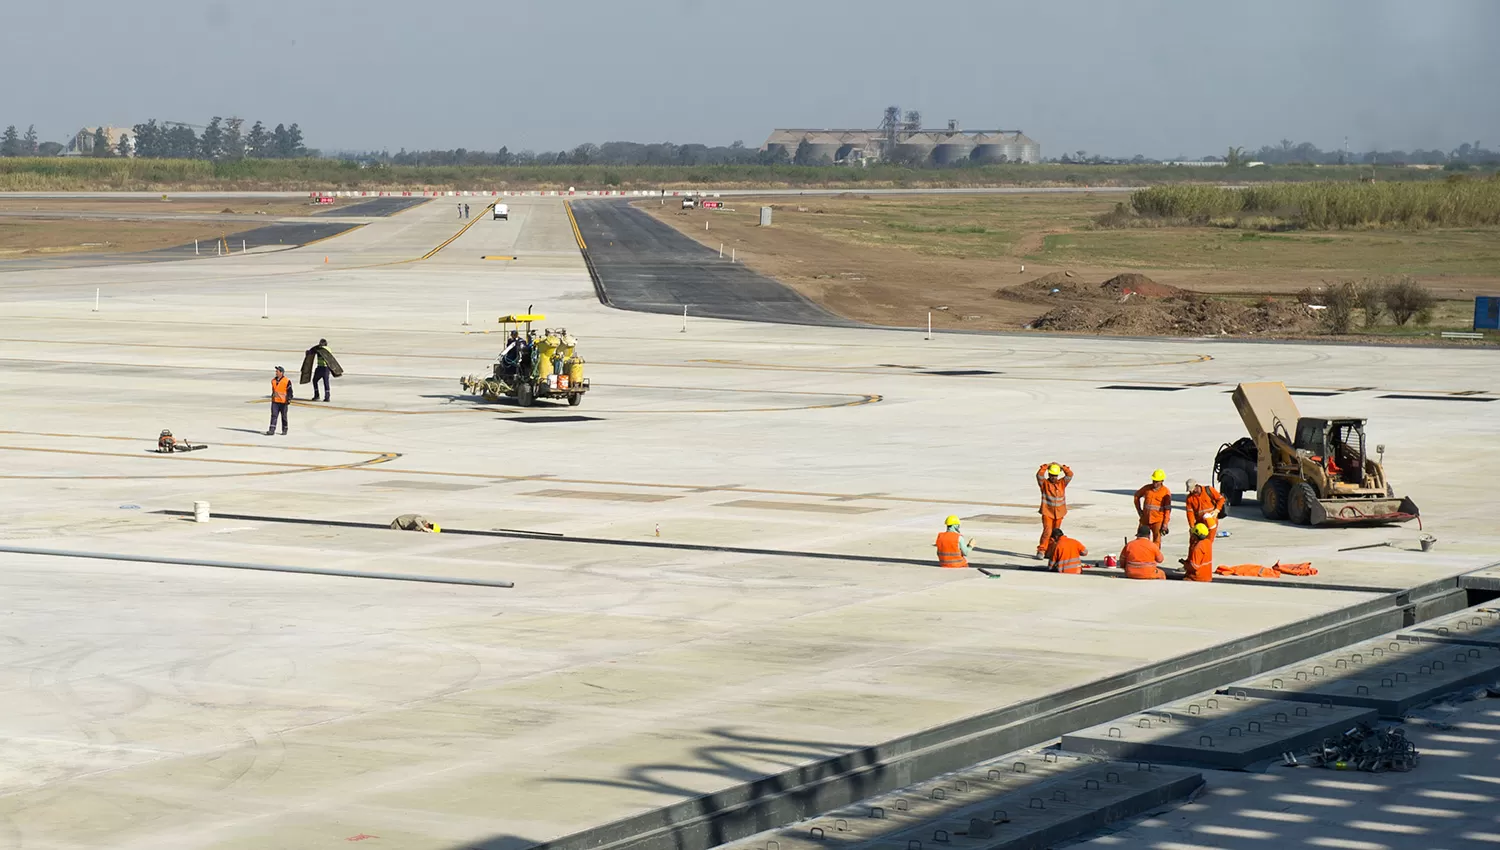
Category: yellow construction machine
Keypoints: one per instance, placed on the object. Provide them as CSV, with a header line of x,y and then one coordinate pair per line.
x,y
1310,470
534,364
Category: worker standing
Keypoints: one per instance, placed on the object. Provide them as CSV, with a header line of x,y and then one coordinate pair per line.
x,y
1205,505
1053,480
281,397
1141,557
1199,563
953,548
1065,555
1153,505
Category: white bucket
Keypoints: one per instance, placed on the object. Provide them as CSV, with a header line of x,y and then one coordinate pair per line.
x,y
200,512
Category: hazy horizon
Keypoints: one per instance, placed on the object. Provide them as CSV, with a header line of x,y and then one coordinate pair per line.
x,y
1161,78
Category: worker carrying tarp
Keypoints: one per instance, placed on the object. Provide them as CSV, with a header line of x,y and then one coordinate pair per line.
x,y
1199,563
1141,558
1065,555
1153,505
953,548
414,522
1052,479
1205,505
318,363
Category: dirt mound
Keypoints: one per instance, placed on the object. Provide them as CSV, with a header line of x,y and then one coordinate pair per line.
x,y
1052,288
1141,286
1179,316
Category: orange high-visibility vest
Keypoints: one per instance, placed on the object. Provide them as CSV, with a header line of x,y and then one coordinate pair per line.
x,y
1205,507
1054,493
281,388
1200,559
1140,558
1067,555
950,552
1153,504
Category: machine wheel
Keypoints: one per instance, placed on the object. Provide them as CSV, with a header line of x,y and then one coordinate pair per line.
x,y
1234,497
525,394
1299,503
575,399
1273,499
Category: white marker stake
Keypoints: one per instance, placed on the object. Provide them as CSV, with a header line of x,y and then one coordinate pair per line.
x,y
242,246
731,254
705,227
195,247
466,313
721,250
929,327
219,248
96,300
265,310
684,319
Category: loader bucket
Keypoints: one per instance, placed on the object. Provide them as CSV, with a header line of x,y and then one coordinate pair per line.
x,y
1364,511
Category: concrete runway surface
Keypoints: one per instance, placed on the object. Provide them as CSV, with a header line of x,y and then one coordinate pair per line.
x,y
171,706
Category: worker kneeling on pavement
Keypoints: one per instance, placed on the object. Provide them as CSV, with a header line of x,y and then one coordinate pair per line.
x,y
953,548
1065,555
1053,480
166,443
1141,557
414,522
1153,504
1199,563
1205,505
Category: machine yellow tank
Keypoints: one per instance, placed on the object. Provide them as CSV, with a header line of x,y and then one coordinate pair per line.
x,y
575,371
546,355
535,366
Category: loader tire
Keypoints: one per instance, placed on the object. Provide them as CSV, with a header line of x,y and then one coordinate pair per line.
x,y
525,394
1234,497
1273,499
1299,503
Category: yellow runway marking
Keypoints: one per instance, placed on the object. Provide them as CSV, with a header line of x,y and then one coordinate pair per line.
x,y
577,234
461,231
488,257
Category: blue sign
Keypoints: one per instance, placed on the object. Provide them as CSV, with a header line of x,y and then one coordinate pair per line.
x,y
1487,313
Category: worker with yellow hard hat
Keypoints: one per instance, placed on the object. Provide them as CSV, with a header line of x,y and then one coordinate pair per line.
x,y
1153,505
953,548
1052,479
1199,563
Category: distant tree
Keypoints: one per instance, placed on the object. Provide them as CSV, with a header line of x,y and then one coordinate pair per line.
x,y
233,145
1235,158
1406,299
50,149
257,140
804,154
182,143
212,141
10,142
122,148
101,144
294,147
584,154
28,142
502,156
279,143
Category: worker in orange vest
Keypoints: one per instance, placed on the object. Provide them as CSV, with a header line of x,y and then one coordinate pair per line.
x,y
1204,505
1199,563
953,548
1053,480
281,397
1141,557
1065,555
1153,505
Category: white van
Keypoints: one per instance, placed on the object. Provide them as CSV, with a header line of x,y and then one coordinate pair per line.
x,y
688,203
502,211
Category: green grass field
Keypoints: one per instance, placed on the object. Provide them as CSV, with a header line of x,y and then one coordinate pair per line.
x,y
80,174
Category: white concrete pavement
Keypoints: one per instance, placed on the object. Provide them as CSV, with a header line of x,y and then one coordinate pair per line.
x,y
178,707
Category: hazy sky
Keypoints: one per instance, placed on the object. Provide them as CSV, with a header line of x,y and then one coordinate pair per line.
x,y
1159,77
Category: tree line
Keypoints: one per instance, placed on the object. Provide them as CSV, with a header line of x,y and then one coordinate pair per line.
x,y
608,153
222,139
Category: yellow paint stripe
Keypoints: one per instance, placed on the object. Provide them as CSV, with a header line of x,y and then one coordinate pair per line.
x,y
488,257
461,231
577,234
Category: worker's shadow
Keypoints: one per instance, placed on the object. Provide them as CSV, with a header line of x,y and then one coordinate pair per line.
x,y
243,430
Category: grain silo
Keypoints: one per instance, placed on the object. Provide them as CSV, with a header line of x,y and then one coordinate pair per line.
x,y
819,146
1027,150
952,147
916,148
990,148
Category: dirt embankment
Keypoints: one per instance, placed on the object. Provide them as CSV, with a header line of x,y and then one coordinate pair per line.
x,y
1136,305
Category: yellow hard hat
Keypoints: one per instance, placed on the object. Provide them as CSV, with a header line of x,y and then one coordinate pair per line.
x,y
1159,475
951,520
1054,469
1201,530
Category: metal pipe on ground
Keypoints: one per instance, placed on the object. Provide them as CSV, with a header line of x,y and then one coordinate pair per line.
x,y
239,565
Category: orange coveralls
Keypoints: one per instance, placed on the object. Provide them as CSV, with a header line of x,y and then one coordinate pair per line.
x,y
1054,502
1140,558
1153,504
1066,555
1200,559
1205,506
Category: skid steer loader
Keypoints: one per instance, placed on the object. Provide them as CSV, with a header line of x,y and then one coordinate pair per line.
x,y
1310,470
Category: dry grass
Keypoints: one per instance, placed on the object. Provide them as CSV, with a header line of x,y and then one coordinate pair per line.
x,y
31,237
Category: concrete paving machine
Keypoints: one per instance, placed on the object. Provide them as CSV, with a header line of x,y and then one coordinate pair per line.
x,y
533,365
1312,471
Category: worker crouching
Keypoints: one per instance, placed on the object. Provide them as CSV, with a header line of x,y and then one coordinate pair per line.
x,y
1199,563
1141,557
1064,554
953,548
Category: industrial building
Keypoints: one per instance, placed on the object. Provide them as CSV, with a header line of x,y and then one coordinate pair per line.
x,y
904,143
